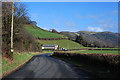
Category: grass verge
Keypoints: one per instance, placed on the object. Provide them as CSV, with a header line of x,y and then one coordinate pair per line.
x,y
18,59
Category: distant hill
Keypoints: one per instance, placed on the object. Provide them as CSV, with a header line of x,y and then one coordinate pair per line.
x,y
70,35
104,39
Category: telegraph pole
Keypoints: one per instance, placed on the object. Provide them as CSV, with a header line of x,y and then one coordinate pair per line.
x,y
12,30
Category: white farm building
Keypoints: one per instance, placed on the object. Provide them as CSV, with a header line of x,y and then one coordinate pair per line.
x,y
50,47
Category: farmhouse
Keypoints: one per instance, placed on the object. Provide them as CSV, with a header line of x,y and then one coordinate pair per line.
x,y
50,47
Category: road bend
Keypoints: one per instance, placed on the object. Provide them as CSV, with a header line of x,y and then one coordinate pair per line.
x,y
44,66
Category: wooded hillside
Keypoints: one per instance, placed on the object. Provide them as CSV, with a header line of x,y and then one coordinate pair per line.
x,y
23,41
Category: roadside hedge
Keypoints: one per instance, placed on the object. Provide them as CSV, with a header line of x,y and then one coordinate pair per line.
x,y
109,61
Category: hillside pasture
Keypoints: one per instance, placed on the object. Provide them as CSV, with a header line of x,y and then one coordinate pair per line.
x,y
41,33
67,44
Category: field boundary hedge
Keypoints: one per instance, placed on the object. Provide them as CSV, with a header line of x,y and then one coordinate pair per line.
x,y
110,61
94,49
105,49
52,38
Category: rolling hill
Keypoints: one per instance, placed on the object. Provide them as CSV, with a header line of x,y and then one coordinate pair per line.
x,y
41,33
106,39
70,35
67,44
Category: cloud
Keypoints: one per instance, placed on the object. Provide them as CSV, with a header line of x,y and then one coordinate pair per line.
x,y
114,12
108,23
95,29
79,16
92,16
104,25
89,16
70,24
56,23
48,29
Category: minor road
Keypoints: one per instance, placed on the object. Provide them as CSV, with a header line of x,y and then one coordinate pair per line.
x,y
44,66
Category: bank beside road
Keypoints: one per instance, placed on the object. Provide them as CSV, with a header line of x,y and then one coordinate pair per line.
x,y
19,59
100,65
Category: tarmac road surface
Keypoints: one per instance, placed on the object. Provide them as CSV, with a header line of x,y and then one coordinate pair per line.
x,y
44,66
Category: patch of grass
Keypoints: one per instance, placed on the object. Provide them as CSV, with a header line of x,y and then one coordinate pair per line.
x,y
18,58
67,44
41,33
47,51
97,51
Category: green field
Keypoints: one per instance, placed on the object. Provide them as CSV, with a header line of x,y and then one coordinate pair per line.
x,y
108,48
41,33
67,44
97,51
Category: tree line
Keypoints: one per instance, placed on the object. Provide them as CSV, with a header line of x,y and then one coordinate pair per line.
x,y
22,40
